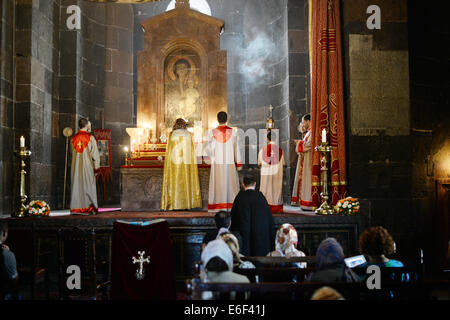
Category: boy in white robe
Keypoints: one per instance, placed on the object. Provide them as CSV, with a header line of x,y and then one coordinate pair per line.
x,y
271,160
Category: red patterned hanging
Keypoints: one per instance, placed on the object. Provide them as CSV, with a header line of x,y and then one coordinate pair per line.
x,y
327,101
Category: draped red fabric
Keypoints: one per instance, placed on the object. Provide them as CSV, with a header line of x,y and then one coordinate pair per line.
x,y
327,101
159,280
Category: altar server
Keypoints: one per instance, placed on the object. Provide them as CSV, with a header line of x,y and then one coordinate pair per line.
x,y
85,165
301,194
181,185
223,149
271,160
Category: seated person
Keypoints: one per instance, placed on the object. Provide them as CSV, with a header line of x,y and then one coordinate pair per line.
x,y
326,293
330,265
222,220
217,260
233,244
9,278
375,244
286,241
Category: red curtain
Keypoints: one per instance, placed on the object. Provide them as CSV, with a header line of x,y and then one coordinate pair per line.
x,y
327,101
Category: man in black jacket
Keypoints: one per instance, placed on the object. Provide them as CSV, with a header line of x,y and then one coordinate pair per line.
x,y
251,217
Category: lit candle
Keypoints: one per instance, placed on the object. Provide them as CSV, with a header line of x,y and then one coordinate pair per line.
x,y
22,142
324,136
125,149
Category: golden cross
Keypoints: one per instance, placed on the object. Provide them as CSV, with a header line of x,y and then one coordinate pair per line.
x,y
79,145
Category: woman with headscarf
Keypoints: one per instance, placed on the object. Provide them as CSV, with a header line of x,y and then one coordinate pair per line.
x,y
330,265
286,241
217,260
233,243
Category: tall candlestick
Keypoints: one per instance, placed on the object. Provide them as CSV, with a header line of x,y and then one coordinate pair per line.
x,y
22,154
324,148
22,141
324,135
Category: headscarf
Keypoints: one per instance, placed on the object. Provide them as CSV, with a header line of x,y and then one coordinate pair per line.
x,y
286,239
218,248
232,243
329,253
222,231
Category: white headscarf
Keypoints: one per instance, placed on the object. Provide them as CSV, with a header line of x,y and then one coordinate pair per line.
x,y
286,239
218,248
221,231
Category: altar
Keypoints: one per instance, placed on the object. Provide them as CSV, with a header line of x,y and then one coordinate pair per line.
x,y
141,187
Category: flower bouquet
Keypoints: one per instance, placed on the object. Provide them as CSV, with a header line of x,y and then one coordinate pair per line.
x,y
348,206
37,208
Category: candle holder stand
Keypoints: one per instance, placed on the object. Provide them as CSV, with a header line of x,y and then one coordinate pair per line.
x,y
22,154
325,208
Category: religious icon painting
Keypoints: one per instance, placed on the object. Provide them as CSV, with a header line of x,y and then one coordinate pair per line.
x,y
103,137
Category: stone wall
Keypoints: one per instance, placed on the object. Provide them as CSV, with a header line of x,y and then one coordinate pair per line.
x,y
263,69
97,79
36,51
120,89
61,75
67,74
6,104
81,79
430,115
299,79
378,118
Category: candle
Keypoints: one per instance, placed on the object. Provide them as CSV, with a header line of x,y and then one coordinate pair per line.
x,y
22,141
324,136
125,149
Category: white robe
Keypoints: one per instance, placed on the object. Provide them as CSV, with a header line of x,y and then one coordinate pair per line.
x,y
301,194
223,149
271,183
85,159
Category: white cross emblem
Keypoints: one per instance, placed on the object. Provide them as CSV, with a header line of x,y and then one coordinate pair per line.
x,y
140,273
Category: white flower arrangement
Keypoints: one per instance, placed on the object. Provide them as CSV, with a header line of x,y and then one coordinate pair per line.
x,y
37,208
347,206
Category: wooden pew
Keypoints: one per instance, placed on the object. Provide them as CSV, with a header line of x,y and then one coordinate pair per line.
x,y
310,260
302,291
393,282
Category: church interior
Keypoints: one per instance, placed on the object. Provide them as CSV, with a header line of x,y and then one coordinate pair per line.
x,y
371,74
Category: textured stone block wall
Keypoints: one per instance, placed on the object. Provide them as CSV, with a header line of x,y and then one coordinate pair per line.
x,y
6,104
378,117
263,69
429,36
36,72
299,75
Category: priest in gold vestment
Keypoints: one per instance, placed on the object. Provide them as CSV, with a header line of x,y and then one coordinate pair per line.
x,y
181,185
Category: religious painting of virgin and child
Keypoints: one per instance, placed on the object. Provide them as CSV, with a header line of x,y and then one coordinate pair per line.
x,y
103,150
182,88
